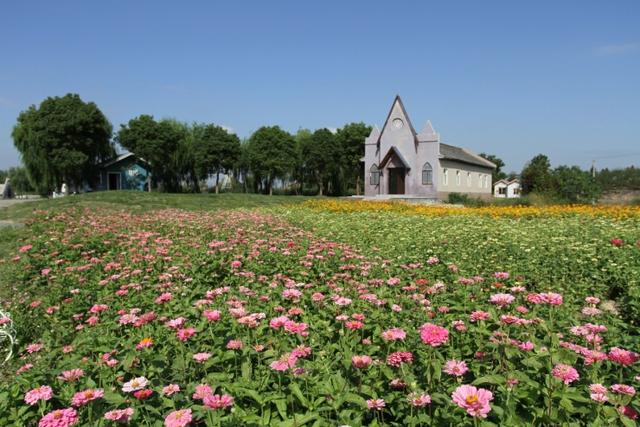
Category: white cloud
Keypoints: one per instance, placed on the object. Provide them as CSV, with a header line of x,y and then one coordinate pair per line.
x,y
617,49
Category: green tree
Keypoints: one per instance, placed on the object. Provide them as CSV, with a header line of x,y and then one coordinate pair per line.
x,y
20,180
158,143
351,138
299,173
320,152
497,173
216,151
271,155
63,140
536,177
575,185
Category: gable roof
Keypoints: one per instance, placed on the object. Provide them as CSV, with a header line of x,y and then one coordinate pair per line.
x,y
406,116
451,152
120,158
507,182
393,151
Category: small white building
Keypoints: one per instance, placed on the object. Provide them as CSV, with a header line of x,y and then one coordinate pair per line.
x,y
506,189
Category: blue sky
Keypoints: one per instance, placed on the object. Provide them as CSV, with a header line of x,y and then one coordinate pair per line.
x,y
510,78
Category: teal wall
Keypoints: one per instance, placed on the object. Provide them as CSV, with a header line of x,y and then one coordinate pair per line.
x,y
133,174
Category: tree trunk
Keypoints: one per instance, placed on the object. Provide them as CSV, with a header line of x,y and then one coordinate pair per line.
x,y
217,182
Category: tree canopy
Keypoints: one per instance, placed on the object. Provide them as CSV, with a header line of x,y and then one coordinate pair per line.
x,y
497,173
271,153
215,151
536,176
158,143
62,140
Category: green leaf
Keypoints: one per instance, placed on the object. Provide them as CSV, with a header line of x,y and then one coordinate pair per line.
x,y
489,379
295,389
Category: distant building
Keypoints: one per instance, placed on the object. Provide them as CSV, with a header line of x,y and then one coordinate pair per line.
x,y
506,189
401,163
125,172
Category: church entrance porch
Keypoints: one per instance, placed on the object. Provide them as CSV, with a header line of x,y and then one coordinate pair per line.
x,y
396,180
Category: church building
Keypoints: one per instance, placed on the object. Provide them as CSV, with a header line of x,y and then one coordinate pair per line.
x,y
402,163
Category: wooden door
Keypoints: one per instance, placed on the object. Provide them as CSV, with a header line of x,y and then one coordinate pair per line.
x,y
396,181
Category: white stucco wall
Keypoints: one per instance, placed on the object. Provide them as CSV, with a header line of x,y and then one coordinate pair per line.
x,y
474,180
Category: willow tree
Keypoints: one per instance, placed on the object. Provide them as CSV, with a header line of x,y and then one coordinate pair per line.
x,y
63,140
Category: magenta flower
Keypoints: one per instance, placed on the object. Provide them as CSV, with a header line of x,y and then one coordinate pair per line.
x,y
361,362
59,418
376,404
433,335
565,373
455,367
40,393
181,418
474,400
119,415
81,398
216,401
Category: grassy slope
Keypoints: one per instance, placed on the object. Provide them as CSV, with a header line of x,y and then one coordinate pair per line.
x,y
128,200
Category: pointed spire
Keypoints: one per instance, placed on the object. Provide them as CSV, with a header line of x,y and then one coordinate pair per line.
x,y
428,128
375,132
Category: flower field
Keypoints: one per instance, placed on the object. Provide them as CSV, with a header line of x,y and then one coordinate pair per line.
x,y
317,315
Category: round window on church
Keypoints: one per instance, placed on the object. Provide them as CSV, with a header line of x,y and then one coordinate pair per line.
x,y
398,123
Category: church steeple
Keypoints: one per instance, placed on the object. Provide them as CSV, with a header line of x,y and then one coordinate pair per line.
x,y
400,113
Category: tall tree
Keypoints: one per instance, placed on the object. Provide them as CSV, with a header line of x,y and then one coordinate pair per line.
x,y
299,172
320,152
351,138
497,173
536,176
575,185
271,155
158,144
63,140
216,151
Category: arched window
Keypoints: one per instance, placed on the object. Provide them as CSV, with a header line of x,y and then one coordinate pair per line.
x,y
468,179
458,178
427,174
374,177
445,176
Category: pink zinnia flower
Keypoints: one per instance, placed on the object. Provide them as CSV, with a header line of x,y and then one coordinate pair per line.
x,y
184,334
455,367
71,375
399,357
201,357
565,373
216,401
211,315
202,390
34,348
419,400
622,356
119,415
479,315
376,404
361,362
394,334
170,389
474,400
40,393
143,394
433,335
81,398
181,418
623,389
59,418
234,345
501,299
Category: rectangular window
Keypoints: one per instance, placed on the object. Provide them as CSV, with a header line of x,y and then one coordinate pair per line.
x,y
502,190
479,180
427,177
458,178
375,178
445,177
468,179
